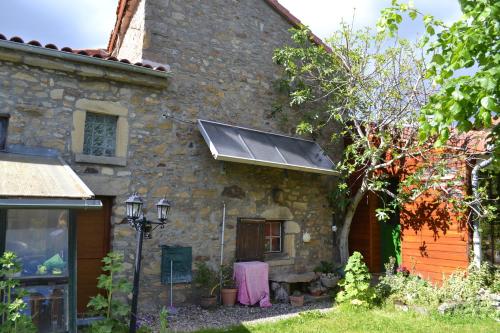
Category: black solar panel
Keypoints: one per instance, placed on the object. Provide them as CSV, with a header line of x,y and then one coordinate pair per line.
x,y
244,145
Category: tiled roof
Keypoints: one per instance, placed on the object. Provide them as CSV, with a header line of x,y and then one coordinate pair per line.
x,y
95,53
126,8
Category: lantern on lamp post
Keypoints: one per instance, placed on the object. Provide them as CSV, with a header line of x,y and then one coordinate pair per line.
x,y
134,208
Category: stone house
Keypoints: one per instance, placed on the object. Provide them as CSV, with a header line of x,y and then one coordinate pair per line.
x,y
129,126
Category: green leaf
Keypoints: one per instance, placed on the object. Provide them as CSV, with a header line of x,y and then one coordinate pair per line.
x,y
487,83
438,59
456,108
488,103
457,95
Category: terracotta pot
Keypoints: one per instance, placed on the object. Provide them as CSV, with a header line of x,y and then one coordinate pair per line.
x,y
297,300
229,296
208,302
316,293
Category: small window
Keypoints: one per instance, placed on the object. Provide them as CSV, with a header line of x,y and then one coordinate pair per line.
x,y
100,135
272,237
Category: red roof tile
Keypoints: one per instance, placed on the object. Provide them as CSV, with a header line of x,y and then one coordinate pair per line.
x,y
126,9
96,53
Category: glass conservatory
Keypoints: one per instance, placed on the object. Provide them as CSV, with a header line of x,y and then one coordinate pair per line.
x,y
39,195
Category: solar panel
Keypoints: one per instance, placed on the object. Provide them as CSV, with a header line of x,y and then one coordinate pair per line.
x,y
249,146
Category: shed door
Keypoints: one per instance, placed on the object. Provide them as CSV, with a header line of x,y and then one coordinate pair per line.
x,y
93,243
250,240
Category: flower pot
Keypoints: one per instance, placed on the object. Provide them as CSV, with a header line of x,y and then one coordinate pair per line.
x,y
229,296
316,293
208,302
297,300
329,282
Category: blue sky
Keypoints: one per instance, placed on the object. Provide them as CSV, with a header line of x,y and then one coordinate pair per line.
x,y
88,23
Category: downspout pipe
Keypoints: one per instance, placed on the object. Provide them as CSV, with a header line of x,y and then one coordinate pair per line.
x,y
476,234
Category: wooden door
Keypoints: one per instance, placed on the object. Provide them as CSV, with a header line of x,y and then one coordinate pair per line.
x,y
250,240
364,236
93,243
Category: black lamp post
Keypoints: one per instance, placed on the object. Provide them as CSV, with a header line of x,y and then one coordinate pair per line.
x,y
144,228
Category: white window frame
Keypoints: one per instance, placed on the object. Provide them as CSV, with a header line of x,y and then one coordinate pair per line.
x,y
280,237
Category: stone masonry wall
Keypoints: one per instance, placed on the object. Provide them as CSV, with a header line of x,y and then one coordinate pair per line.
x,y
221,57
221,60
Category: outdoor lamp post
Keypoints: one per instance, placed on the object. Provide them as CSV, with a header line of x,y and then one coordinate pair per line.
x,y
138,221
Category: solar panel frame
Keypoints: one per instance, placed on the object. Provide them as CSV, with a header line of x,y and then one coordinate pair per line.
x,y
250,146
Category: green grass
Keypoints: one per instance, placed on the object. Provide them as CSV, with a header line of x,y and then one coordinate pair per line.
x,y
377,320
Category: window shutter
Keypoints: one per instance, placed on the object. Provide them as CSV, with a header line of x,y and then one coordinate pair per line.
x,y
250,240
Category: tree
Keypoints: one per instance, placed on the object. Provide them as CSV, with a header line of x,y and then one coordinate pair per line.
x,y
373,92
465,99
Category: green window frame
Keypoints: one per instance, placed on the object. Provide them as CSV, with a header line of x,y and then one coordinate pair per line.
x,y
71,280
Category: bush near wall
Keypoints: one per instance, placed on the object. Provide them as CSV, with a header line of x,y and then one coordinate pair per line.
x,y
474,292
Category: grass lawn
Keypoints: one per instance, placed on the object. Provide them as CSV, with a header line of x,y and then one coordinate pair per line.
x,y
378,320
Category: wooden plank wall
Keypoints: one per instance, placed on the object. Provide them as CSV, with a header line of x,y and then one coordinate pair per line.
x,y
434,245
435,237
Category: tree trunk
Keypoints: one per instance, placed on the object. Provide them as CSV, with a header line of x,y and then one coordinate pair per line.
x,y
346,227
476,235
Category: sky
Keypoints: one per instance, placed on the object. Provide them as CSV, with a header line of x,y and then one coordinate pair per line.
x,y
88,23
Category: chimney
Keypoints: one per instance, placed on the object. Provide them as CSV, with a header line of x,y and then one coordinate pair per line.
x,y
4,125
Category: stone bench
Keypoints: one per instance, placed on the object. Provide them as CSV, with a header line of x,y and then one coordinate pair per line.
x,y
280,283
292,278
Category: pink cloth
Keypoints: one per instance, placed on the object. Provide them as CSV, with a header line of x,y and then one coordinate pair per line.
x,y
252,279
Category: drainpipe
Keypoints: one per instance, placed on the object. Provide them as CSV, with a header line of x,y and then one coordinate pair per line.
x,y
476,235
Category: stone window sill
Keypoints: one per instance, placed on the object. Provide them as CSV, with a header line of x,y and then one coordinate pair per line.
x,y
119,161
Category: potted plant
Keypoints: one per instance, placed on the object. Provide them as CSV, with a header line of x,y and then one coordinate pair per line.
x,y
326,274
229,291
297,299
207,279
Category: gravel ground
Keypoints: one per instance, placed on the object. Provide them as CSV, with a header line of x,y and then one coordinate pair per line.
x,y
191,318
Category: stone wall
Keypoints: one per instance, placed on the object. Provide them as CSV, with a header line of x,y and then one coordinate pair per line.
x,y
221,61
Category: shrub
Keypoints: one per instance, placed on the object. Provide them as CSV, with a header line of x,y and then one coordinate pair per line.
x,y
403,270
11,319
409,289
471,290
113,310
324,267
356,283
163,320
227,273
468,291
206,278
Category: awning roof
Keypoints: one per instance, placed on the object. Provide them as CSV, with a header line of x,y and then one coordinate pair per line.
x,y
244,145
39,176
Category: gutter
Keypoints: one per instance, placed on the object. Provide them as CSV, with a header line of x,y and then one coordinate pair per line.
x,y
83,59
50,203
